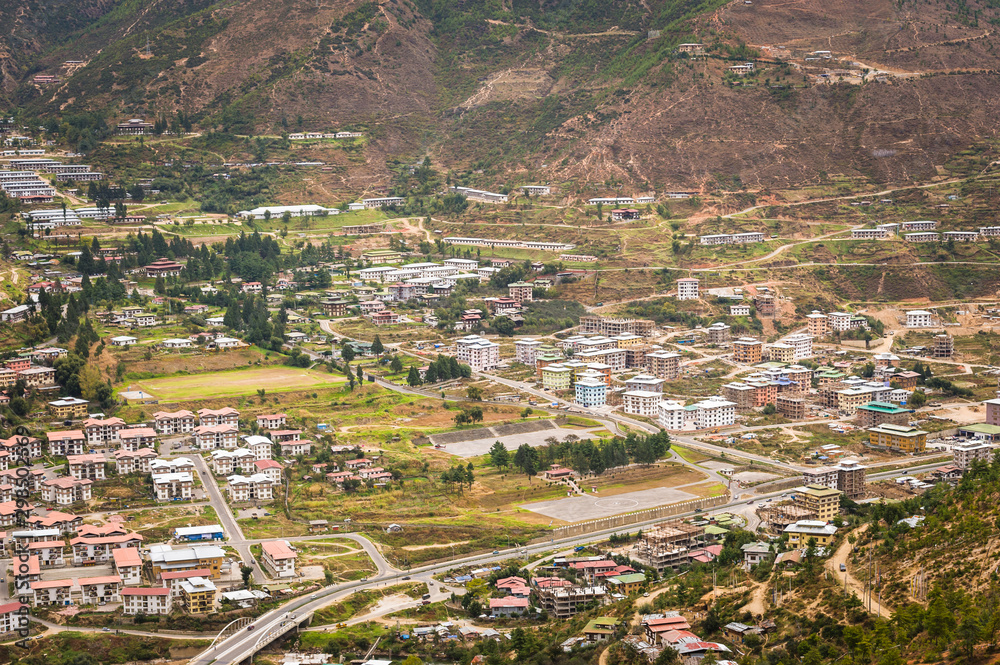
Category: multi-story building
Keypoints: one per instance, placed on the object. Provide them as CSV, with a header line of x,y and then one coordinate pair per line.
x,y
136,438
227,462
565,602
261,446
256,487
278,558
269,468
102,431
12,618
599,325
644,382
99,590
616,358
591,392
211,437
86,467
664,364
174,422
89,550
270,421
173,486
817,323
642,403
177,465
673,415
718,333
49,553
919,318
748,351
526,350
821,500
146,600
66,490
740,394
687,288
765,305
478,353
944,346
804,532
72,442
780,353
128,565
993,410
879,413
206,559
224,416
793,408
521,291
557,377
51,592
802,343
295,447
899,438
972,451
198,595
713,412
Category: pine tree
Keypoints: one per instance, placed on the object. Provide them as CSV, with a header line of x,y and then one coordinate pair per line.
x,y
377,348
413,378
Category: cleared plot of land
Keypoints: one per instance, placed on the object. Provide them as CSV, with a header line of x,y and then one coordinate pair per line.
x,y
237,383
534,439
595,506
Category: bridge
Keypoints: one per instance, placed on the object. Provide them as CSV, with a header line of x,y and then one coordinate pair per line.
x,y
252,635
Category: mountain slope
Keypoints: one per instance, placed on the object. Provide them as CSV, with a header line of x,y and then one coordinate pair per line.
x,y
557,89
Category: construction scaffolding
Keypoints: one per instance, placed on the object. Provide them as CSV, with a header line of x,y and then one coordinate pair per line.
x,y
668,545
780,515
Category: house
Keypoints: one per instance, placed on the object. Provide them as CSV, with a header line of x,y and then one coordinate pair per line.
x,y
271,421
295,447
278,558
163,268
801,533
269,468
509,606
51,592
601,629
123,340
146,600
737,632
169,564
227,462
176,343
754,553
260,446
177,486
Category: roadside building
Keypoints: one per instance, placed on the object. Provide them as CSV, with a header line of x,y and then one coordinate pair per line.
x,y
899,438
278,558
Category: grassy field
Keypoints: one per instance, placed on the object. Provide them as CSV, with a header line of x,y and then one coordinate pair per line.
x,y
238,383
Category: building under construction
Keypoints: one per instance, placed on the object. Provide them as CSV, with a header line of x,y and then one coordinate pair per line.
x,y
780,515
669,545
599,325
944,346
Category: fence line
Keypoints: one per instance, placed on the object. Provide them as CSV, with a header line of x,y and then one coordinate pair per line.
x,y
627,519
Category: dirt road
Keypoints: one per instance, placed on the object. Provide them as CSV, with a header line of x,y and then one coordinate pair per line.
x,y
856,585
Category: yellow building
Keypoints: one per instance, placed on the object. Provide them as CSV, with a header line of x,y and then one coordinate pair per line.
x,y
70,407
821,500
781,353
801,533
628,340
557,377
198,595
901,438
627,584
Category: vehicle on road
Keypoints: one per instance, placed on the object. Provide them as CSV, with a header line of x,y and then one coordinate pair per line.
x,y
106,629
496,551
843,567
312,597
251,627
750,502
407,578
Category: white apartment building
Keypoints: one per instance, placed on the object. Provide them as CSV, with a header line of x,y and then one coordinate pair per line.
x,y
919,318
101,431
135,438
477,352
72,442
260,446
134,461
271,421
672,415
66,490
11,618
840,321
256,487
971,451
802,344
714,412
174,422
687,288
642,403
269,468
278,558
224,416
177,465
173,486
644,382
228,462
526,350
86,467
295,447
212,437
128,565
146,600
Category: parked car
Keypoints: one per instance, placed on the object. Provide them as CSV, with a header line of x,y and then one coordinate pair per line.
x,y
843,567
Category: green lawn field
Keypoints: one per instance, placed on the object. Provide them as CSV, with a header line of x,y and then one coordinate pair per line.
x,y
235,383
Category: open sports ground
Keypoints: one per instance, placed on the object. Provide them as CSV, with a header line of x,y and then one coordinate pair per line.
x,y
235,383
